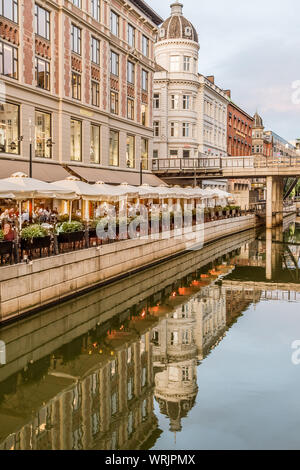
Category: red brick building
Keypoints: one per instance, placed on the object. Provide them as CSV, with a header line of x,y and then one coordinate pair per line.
x,y
239,130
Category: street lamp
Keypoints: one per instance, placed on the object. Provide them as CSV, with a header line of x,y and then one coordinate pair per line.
x,y
141,172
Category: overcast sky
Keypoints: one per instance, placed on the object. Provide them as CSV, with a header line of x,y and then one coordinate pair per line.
x,y
252,48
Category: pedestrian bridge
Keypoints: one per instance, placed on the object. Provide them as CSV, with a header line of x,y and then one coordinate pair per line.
x,y
275,170
268,290
227,167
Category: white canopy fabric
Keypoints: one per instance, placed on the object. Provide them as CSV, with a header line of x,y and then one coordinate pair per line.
x,y
11,189
115,192
34,188
80,188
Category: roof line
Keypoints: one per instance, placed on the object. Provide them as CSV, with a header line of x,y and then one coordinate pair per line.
x,y
148,11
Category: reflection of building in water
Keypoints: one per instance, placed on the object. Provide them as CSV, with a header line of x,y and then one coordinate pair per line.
x,y
210,308
238,300
180,340
103,398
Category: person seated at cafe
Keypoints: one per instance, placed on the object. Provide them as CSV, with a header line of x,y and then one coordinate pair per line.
x,y
9,232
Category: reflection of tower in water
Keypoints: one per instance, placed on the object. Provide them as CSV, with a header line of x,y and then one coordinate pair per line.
x,y
180,340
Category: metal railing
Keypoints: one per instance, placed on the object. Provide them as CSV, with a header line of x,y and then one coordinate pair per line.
x,y
221,163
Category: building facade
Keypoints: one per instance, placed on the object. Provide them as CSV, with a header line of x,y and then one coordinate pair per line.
x,y
77,84
239,130
190,111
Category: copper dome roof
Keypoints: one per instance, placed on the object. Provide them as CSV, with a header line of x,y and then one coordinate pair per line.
x,y
177,26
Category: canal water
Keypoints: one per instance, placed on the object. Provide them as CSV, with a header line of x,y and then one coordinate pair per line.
x,y
201,352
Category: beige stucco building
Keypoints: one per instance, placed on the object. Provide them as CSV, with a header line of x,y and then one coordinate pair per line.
x,y
190,110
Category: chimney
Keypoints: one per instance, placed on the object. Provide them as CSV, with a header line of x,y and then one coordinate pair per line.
x,y
228,93
176,8
211,78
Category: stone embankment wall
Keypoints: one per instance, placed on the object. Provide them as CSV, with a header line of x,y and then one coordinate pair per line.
x,y
25,288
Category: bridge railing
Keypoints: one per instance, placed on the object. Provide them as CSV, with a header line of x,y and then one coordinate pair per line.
x,y
220,163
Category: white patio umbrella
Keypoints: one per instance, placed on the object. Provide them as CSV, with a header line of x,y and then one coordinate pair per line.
x,y
37,188
114,192
23,188
80,188
84,191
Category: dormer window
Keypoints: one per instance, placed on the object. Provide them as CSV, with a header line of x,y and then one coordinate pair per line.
x,y
188,31
162,33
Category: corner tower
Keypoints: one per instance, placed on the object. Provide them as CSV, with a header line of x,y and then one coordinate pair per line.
x,y
176,85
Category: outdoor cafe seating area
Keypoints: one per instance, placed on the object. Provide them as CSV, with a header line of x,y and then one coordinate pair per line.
x,y
41,219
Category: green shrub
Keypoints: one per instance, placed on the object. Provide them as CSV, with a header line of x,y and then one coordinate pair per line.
x,y
33,231
1,235
65,218
69,227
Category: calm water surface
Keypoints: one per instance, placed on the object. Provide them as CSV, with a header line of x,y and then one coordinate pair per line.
x,y
193,354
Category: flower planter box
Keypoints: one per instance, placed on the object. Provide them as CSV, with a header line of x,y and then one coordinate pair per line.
x,y
36,243
71,237
92,233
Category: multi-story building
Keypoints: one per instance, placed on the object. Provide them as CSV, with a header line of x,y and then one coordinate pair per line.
x,y
190,110
239,130
281,147
77,85
261,143
212,105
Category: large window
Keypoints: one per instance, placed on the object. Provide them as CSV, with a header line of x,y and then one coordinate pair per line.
x,y
130,108
76,86
95,144
95,51
185,129
114,102
130,151
130,72
42,22
114,148
95,93
8,60
9,128
76,39
186,102
174,102
95,9
42,73
156,101
75,140
144,115
42,134
114,23
156,128
145,46
186,63
9,9
144,80
131,35
114,63
144,153
175,63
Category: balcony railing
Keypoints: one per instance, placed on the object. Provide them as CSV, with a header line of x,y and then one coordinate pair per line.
x,y
221,163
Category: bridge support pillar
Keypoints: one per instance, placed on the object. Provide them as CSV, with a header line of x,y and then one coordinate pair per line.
x,y
274,209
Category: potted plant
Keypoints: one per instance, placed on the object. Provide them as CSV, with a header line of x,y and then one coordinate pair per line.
x,y
35,237
70,232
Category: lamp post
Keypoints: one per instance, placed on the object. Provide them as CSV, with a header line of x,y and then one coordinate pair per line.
x,y
141,172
